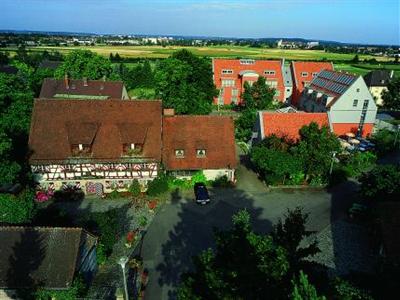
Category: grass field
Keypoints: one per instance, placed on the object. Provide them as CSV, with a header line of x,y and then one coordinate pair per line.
x,y
362,69
211,51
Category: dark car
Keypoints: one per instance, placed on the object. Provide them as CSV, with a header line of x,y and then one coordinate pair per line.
x,y
201,193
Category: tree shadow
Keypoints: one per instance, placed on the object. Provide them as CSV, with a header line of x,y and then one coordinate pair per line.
x,y
26,257
193,233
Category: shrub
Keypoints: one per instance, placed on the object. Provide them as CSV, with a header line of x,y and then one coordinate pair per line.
x,y
384,141
382,182
142,221
77,290
198,177
106,226
358,163
114,195
17,209
101,256
158,185
135,188
221,181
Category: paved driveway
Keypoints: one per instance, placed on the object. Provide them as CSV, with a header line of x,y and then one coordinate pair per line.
x,y
182,229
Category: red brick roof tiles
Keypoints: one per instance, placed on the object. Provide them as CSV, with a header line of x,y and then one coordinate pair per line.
x,y
215,134
289,124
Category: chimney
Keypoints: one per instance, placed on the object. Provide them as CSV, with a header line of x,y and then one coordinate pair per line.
x,y
85,83
66,81
169,112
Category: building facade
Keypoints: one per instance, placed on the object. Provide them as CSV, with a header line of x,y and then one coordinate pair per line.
x,y
345,98
230,75
98,146
377,82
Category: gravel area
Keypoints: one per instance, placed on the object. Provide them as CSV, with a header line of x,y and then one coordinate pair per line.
x,y
344,248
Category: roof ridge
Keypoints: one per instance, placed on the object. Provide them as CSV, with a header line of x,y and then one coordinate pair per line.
x,y
44,228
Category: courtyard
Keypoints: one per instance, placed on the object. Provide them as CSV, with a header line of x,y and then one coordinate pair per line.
x,y
182,229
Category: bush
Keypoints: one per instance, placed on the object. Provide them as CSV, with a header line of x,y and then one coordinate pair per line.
x,y
384,141
101,256
381,183
359,162
157,186
17,209
106,226
221,181
77,290
135,188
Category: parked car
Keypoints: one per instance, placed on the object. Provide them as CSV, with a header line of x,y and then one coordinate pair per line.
x,y
201,193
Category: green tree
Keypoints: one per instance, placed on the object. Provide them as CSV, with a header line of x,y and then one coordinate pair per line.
x,y
384,141
135,188
244,265
84,63
259,96
17,209
391,97
244,125
315,150
4,58
356,59
381,183
344,290
9,169
304,290
184,82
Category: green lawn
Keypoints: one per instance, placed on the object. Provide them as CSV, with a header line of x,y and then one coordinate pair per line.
x,y
142,93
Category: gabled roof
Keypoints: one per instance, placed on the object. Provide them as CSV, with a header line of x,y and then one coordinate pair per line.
x,y
45,255
105,125
332,83
76,89
215,134
288,124
377,78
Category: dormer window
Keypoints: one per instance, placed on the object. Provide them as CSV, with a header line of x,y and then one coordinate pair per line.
x,y
201,152
304,74
80,149
179,153
132,149
314,74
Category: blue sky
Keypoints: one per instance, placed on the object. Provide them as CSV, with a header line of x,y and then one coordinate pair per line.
x,y
360,21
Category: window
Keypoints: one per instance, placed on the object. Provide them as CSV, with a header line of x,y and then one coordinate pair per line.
x,y
269,72
314,74
179,153
80,147
201,152
365,105
355,103
228,82
287,90
306,83
304,74
358,90
132,149
250,82
221,97
247,61
235,93
272,83
227,71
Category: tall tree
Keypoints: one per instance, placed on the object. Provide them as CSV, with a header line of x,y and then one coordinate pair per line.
x,y
184,82
315,149
391,97
304,290
85,63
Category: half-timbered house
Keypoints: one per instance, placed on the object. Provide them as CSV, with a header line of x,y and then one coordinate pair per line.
x,y
98,146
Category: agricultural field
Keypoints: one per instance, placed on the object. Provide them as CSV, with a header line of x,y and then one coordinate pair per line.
x,y
362,68
211,51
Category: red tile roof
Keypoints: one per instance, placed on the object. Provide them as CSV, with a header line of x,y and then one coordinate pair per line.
x,y
237,67
289,124
215,134
52,87
57,124
298,67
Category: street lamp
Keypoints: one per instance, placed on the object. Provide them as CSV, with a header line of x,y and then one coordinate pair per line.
x,y
122,262
333,159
